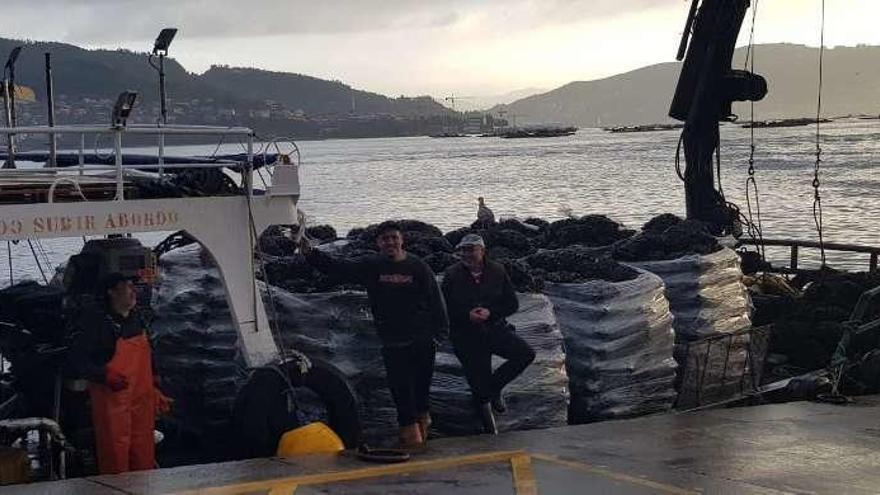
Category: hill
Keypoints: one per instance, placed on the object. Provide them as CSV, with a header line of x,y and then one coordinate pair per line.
x,y
642,96
313,96
88,81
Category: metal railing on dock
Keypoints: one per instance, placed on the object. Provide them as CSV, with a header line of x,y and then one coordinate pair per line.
x,y
796,245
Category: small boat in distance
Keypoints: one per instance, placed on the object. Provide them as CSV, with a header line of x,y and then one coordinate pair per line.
x,y
643,128
783,123
537,132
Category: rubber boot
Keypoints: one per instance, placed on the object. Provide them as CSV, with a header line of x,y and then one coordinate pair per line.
x,y
410,438
424,422
487,417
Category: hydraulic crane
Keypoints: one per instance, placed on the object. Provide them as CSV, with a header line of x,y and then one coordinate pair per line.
x,y
707,88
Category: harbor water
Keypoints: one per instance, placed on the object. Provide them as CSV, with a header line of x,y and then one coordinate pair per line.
x,y
629,177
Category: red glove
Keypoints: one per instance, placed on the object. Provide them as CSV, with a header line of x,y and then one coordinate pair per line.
x,y
115,380
161,402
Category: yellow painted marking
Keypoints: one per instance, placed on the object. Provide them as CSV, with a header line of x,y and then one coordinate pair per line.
x,y
285,489
523,477
669,489
357,474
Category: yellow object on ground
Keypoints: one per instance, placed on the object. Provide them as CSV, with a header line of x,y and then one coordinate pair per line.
x,y
313,438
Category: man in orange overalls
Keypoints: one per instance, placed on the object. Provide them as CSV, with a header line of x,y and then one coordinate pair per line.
x,y
112,351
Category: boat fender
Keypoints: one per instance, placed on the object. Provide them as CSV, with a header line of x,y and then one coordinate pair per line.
x,y
263,412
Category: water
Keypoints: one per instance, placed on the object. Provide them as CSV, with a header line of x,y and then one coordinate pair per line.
x,y
630,177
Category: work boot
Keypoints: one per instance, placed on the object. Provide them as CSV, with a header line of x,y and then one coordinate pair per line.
x,y
488,419
410,438
424,422
499,405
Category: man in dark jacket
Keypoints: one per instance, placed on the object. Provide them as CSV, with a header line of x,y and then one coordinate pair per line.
x,y
113,353
479,297
410,317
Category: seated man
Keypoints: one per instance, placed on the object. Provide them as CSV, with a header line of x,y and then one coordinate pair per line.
x,y
479,297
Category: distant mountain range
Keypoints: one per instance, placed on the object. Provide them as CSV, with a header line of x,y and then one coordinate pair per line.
x,y
88,81
851,87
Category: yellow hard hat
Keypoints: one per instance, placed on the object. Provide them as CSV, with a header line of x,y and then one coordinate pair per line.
x,y
313,438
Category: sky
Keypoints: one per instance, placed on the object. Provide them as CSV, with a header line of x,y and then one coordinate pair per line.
x,y
413,47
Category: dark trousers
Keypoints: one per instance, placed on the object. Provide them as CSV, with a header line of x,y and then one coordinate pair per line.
x,y
475,349
410,369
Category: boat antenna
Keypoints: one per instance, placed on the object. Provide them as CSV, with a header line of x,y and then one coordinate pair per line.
x,y
817,198
160,49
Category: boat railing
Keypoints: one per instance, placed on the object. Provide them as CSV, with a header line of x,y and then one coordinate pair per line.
x,y
162,164
795,247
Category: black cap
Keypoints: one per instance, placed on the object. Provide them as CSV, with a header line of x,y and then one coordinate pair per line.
x,y
111,280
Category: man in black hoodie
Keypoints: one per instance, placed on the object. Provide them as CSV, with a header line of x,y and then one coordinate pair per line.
x,y
410,317
479,297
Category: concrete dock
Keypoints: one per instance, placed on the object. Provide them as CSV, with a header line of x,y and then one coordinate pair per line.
x,y
789,448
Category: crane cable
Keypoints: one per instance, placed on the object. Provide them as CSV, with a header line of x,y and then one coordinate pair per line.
x,y
817,198
756,231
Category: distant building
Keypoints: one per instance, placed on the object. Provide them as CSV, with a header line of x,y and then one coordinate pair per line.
x,y
474,124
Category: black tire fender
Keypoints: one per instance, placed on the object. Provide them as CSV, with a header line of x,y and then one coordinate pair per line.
x,y
262,412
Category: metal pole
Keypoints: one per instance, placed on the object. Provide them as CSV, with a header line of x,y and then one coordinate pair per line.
x,y
50,101
7,114
250,166
82,153
117,146
12,112
162,108
161,154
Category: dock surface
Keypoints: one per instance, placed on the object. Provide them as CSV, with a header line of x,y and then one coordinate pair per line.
x,y
787,448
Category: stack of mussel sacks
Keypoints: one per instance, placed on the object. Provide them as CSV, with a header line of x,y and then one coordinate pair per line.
x,y
195,345
330,318
615,320
710,303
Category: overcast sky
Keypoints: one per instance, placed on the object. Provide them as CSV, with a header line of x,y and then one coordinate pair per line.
x,y
412,47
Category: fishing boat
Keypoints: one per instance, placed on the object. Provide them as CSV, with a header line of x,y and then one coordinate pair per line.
x,y
104,199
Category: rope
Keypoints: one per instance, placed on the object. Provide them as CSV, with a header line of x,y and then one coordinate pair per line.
x,y
678,158
718,167
9,259
45,255
257,253
37,260
817,198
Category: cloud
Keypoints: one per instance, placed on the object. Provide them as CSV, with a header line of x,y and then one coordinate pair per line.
x,y
100,22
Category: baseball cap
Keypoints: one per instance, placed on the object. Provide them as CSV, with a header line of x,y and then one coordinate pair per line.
x,y
471,240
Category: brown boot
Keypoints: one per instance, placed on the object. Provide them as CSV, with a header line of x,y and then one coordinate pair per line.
x,y
424,422
411,438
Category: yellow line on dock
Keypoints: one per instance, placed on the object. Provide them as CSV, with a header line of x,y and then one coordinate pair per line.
x,y
293,482
662,487
283,489
523,477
